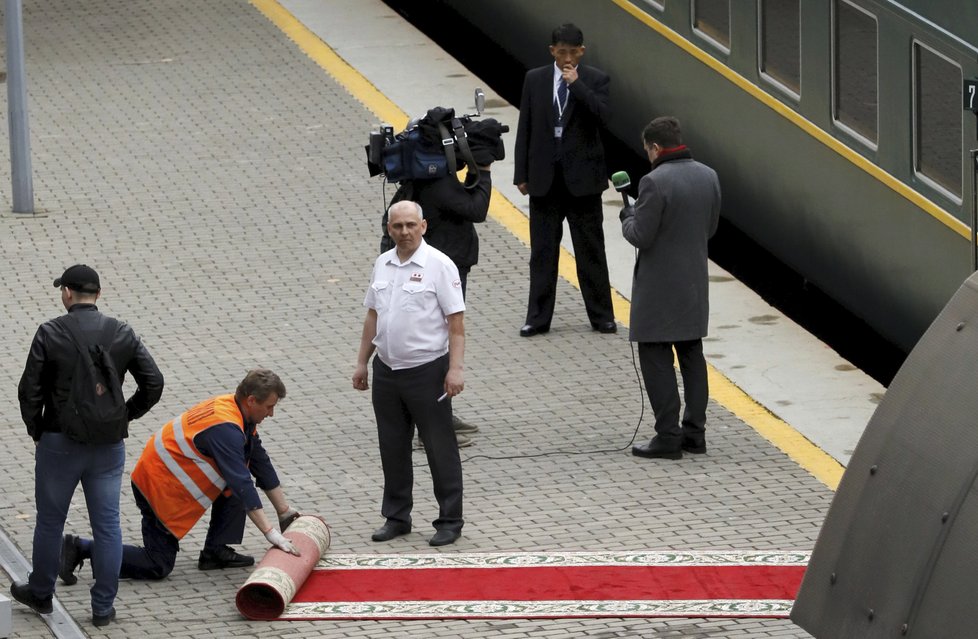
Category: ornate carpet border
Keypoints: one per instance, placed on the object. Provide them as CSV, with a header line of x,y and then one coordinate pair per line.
x,y
536,609
524,559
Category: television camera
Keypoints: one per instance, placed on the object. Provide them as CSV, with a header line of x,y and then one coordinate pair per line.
x,y
436,145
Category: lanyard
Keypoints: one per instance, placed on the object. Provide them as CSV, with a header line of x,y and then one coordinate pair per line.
x,y
561,107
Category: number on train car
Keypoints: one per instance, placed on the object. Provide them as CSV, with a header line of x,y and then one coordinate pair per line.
x,y
971,95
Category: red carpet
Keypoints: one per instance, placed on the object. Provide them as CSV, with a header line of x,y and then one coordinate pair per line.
x,y
520,585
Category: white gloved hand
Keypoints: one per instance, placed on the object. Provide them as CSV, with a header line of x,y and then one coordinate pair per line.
x,y
278,540
285,519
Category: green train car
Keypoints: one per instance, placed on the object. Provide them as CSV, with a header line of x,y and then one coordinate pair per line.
x,y
838,127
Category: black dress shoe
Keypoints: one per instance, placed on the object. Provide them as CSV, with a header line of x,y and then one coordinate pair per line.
x,y
104,620
24,594
223,557
656,449
390,530
71,558
528,330
605,327
444,537
694,446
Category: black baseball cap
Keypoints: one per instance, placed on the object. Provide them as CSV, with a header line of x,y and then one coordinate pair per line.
x,y
79,277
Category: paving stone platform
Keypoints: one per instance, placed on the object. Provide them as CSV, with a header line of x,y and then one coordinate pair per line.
x,y
214,175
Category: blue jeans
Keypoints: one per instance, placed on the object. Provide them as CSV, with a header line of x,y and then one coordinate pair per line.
x,y
60,465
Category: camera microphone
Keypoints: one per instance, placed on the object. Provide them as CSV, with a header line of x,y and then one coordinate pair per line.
x,y
621,181
376,148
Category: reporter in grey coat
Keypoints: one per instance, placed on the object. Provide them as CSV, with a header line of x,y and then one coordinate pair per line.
x,y
676,213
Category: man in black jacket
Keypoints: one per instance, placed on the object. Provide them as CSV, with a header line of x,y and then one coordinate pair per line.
x,y
452,208
62,463
452,211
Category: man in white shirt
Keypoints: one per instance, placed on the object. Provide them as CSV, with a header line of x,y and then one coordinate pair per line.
x,y
415,324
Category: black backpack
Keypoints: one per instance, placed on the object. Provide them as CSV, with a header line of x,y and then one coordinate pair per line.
x,y
96,410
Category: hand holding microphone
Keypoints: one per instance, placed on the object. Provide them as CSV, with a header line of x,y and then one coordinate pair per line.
x,y
621,181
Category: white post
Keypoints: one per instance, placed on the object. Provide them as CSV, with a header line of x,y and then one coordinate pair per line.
x,y
20,140
6,624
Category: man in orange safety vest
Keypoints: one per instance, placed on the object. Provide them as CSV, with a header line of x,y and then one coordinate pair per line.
x,y
202,460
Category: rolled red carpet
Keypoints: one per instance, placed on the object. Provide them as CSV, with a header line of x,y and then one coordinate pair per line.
x,y
279,575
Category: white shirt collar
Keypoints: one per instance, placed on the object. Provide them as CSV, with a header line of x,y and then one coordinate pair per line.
x,y
420,256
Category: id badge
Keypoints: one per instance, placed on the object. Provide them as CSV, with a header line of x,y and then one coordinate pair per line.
x,y
558,132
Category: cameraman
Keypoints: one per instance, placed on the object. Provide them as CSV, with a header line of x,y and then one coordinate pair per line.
x,y
452,212
452,209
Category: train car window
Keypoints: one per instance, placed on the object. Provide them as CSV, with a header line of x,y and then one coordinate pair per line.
x,y
937,118
711,18
780,42
854,70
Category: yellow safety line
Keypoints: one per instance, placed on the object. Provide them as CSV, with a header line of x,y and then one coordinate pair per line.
x,y
808,127
358,86
725,392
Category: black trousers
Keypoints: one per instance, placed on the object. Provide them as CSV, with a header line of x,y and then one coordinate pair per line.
x,y
402,399
659,374
155,558
463,276
584,217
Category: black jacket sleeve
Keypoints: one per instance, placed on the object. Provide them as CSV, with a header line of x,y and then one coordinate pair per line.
x,y
592,94
146,374
521,150
30,391
46,381
449,200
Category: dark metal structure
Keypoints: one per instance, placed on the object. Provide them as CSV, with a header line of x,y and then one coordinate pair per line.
x,y
896,555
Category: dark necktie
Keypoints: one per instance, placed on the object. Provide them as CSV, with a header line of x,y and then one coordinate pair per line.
x,y
559,105
561,95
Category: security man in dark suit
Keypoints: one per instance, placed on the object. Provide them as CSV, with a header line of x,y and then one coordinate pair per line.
x,y
560,164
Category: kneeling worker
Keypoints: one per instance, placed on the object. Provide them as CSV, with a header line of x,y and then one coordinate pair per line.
x,y
202,459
